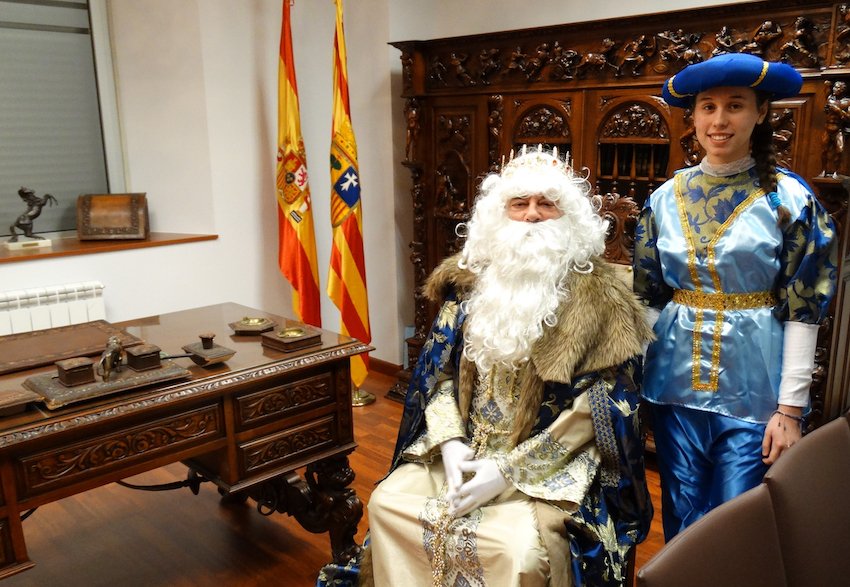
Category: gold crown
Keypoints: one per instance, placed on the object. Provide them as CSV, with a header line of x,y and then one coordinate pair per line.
x,y
538,161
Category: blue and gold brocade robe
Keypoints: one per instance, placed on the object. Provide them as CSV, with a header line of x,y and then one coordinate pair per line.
x,y
616,510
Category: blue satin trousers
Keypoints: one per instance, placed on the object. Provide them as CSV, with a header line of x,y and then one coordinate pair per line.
x,y
704,459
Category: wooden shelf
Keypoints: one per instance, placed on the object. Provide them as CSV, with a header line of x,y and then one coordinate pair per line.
x,y
69,247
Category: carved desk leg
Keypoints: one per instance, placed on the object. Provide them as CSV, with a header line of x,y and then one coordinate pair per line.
x,y
322,503
13,550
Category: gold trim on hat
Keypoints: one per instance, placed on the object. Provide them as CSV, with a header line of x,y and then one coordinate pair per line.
x,y
761,77
672,91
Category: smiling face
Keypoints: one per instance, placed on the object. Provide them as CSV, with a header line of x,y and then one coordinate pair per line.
x,y
724,119
532,209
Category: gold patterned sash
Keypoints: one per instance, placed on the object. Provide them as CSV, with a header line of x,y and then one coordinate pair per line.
x,y
724,301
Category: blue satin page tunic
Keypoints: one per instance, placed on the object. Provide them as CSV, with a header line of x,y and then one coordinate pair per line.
x,y
739,277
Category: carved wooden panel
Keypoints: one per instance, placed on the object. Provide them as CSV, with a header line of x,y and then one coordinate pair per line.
x,y
256,408
796,35
287,447
345,422
543,124
621,212
419,250
70,464
494,127
455,179
538,119
787,117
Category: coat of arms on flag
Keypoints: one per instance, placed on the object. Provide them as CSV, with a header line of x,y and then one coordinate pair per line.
x,y
294,177
346,183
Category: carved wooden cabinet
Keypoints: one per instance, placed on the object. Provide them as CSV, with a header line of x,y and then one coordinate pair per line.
x,y
594,89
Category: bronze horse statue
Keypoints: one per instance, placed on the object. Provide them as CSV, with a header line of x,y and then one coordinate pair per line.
x,y
111,358
34,206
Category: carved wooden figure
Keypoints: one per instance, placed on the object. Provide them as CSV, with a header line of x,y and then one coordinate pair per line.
x,y
764,35
837,109
637,52
488,64
802,49
411,113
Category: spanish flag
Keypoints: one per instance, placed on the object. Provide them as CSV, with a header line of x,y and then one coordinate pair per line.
x,y
347,276
297,250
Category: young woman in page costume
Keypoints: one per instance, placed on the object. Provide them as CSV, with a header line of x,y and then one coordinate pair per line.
x,y
737,261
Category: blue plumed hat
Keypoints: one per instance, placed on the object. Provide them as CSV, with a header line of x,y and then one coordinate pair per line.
x,y
780,80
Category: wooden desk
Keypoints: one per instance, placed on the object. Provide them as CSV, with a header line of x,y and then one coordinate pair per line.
x,y
247,425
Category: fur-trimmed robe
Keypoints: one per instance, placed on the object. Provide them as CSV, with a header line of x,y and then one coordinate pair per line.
x,y
600,329
601,324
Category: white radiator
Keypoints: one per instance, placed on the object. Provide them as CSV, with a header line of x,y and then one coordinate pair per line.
x,y
48,307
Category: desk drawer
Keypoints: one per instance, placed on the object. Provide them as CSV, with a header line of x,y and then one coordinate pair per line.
x,y
66,465
281,401
286,448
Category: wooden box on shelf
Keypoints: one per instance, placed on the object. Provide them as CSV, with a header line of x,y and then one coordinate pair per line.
x,y
112,217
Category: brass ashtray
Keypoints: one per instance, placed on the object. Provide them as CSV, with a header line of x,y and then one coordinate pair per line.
x,y
292,332
246,321
249,325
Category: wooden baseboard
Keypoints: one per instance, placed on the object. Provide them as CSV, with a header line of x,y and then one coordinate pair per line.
x,y
383,367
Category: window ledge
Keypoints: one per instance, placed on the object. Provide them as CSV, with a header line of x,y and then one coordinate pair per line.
x,y
69,247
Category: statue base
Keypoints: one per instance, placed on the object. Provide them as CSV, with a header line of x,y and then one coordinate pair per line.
x,y
34,244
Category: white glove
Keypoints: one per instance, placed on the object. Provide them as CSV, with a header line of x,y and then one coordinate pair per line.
x,y
798,363
454,453
487,483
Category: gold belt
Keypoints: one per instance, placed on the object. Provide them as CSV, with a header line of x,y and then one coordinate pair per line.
x,y
724,301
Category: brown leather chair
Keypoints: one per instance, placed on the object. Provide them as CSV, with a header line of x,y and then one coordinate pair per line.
x,y
734,545
810,489
792,530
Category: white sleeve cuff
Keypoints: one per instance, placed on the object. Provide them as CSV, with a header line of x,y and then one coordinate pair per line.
x,y
798,363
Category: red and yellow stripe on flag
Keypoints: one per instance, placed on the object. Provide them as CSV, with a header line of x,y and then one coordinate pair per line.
x,y
347,276
297,250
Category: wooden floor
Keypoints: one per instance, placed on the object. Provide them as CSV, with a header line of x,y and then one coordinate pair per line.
x,y
117,537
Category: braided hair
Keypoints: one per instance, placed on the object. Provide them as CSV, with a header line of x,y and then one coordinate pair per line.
x,y
764,153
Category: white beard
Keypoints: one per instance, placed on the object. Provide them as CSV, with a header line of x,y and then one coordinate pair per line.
x,y
522,270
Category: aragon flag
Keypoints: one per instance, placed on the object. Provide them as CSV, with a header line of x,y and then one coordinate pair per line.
x,y
347,275
297,250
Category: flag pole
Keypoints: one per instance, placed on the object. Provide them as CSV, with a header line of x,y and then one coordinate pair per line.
x,y
360,398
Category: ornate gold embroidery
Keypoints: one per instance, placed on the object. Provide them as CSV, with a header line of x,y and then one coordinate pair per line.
x,y
451,544
722,301
490,382
689,240
448,315
443,422
606,438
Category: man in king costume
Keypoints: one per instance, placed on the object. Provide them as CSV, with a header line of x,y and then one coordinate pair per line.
x,y
519,460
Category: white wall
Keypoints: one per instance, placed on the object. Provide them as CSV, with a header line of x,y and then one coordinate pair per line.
x,y
197,94
415,19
